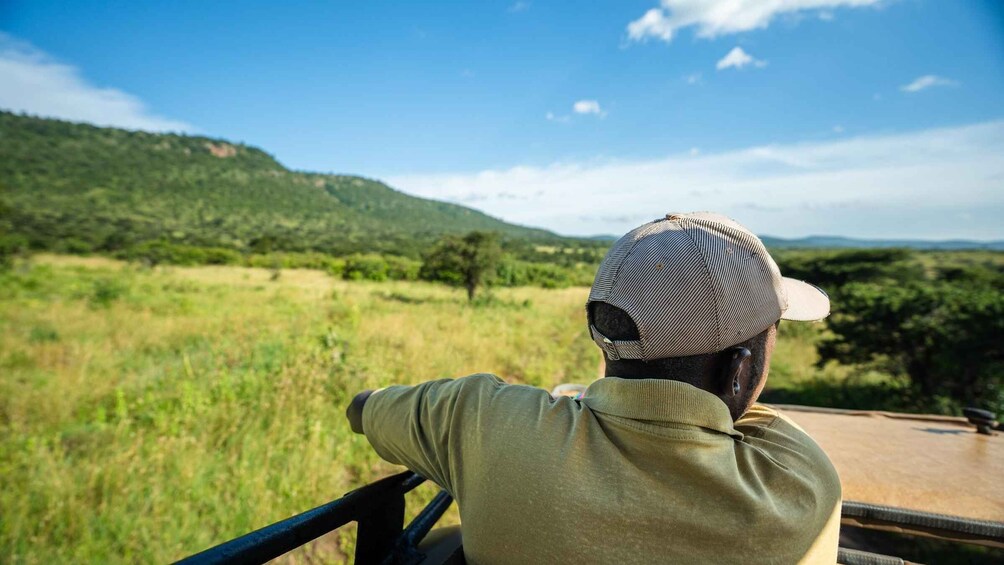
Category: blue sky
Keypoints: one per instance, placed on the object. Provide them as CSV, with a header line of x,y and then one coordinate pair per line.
x,y
873,118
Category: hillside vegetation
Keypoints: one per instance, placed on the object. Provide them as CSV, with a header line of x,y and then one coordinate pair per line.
x,y
79,188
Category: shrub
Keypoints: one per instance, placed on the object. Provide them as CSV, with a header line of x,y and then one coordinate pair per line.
x,y
161,252
11,246
296,260
106,291
944,337
365,267
402,268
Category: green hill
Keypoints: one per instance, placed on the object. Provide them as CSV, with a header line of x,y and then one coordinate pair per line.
x,y
837,242
79,188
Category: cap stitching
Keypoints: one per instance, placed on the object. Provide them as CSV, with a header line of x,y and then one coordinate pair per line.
x,y
728,227
707,271
643,232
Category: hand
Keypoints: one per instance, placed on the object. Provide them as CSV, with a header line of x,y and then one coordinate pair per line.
x,y
354,412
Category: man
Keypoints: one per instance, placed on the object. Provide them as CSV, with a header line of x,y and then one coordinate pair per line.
x,y
667,458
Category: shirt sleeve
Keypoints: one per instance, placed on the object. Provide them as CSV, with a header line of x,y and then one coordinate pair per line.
x,y
787,443
425,427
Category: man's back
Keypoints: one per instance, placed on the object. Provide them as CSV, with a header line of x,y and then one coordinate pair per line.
x,y
637,471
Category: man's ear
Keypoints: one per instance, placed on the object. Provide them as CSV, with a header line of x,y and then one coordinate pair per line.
x,y
735,371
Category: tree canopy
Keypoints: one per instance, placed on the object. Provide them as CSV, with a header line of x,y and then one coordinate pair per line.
x,y
470,261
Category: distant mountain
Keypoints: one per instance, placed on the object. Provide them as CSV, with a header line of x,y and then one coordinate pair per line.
x,y
836,242
76,187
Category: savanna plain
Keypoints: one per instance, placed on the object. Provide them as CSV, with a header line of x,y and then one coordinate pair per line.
x,y
149,413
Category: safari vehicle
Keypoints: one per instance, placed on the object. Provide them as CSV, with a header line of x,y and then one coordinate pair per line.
x,y
920,475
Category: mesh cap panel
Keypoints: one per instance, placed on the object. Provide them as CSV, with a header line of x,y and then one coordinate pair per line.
x,y
693,284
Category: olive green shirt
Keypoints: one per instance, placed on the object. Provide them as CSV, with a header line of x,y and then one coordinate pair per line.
x,y
636,471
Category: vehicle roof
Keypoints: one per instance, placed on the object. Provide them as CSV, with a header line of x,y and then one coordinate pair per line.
x,y
933,464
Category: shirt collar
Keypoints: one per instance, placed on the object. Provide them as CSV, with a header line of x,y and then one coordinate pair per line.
x,y
661,400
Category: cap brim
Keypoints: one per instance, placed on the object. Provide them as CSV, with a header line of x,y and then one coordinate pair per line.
x,y
806,302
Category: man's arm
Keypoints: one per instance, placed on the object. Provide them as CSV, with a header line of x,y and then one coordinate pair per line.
x,y
425,427
354,412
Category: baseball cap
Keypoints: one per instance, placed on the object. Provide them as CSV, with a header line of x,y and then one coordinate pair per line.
x,y
696,283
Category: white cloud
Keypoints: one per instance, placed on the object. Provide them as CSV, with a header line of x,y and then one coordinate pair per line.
x,y
715,18
517,7
927,81
655,23
588,107
897,185
34,83
552,117
693,79
737,58
838,129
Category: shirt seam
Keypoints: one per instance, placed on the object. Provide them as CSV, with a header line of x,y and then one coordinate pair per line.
x,y
695,433
760,430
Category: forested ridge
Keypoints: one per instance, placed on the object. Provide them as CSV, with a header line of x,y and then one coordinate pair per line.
x,y
79,188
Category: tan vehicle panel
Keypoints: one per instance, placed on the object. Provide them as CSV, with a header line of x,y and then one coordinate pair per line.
x,y
932,464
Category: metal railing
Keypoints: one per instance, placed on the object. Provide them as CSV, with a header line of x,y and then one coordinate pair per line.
x,y
377,508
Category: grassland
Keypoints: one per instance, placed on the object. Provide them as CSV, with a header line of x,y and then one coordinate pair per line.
x,y
148,414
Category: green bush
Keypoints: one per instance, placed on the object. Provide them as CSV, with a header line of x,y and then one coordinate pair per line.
x,y
365,267
43,333
402,268
293,260
372,267
945,337
106,291
521,273
220,256
160,252
11,246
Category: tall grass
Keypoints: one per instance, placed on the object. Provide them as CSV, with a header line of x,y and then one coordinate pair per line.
x,y
148,414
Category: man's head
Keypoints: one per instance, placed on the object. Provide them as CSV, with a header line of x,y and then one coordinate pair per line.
x,y
696,298
736,375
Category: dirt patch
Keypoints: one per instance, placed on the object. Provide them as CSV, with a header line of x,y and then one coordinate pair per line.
x,y
221,150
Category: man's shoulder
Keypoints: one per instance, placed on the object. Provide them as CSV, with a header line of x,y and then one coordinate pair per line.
x,y
495,385
486,392
761,420
772,431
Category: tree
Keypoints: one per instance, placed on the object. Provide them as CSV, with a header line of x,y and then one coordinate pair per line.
x,y
11,246
470,261
945,337
831,269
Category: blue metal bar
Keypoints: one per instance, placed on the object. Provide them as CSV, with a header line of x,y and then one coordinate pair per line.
x,y
272,541
420,526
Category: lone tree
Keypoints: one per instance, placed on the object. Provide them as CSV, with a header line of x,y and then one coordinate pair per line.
x,y
470,261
